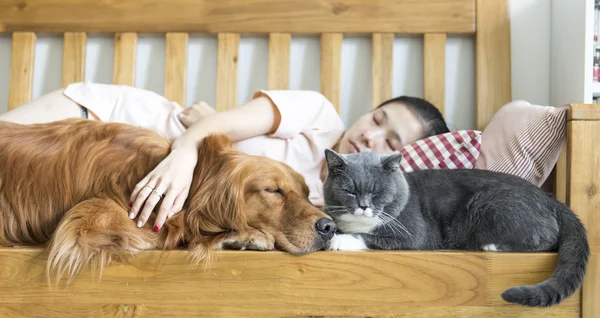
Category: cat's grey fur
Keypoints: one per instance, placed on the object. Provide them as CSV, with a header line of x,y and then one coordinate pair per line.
x,y
454,209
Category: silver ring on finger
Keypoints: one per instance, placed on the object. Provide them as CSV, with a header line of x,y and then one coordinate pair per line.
x,y
147,186
157,193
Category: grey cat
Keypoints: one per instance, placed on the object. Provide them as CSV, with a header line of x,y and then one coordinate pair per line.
x,y
378,206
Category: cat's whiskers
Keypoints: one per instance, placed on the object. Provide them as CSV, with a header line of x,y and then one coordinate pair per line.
x,y
336,206
336,209
394,230
386,221
393,221
335,214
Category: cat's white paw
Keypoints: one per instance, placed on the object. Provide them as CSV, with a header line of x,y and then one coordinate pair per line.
x,y
490,248
347,242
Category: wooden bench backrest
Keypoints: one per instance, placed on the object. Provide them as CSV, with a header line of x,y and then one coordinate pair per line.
x,y
486,20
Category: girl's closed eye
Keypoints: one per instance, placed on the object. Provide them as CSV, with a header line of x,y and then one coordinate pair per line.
x,y
390,145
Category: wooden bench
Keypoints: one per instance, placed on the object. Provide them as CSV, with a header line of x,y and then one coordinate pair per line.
x,y
262,284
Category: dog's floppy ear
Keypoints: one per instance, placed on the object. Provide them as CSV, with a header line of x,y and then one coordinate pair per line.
x,y
218,206
217,193
215,143
211,156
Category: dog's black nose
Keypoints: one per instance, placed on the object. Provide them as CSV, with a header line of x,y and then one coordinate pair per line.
x,y
326,228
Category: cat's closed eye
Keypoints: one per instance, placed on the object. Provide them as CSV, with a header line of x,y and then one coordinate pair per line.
x,y
350,192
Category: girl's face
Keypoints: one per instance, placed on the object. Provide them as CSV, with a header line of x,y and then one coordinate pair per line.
x,y
383,130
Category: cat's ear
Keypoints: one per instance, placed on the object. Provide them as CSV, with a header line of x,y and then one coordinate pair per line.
x,y
391,162
334,159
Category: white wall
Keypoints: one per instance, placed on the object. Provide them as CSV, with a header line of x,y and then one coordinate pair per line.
x,y
530,41
572,48
530,50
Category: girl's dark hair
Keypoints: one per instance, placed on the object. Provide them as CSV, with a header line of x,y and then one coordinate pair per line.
x,y
433,121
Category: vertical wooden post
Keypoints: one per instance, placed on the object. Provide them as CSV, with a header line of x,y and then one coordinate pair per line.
x,y
279,60
175,67
21,69
124,58
434,69
227,68
382,66
493,88
331,63
73,62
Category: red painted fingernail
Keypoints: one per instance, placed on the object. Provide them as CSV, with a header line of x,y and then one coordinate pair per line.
x,y
156,228
130,204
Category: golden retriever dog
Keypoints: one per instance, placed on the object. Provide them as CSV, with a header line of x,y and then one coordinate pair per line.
x,y
66,185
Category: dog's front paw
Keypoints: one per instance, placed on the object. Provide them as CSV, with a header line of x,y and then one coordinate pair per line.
x,y
260,241
347,242
252,240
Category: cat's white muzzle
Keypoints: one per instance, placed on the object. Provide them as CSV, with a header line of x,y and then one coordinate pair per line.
x,y
366,212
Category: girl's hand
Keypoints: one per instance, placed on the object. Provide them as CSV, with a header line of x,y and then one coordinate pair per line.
x,y
170,181
172,178
194,113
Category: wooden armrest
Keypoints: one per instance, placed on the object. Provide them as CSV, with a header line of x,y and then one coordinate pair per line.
x,y
583,112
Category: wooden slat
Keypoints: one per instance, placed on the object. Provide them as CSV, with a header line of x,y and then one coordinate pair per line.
x,y
175,67
261,284
124,58
493,82
21,69
246,16
434,69
331,61
227,66
279,61
73,62
382,67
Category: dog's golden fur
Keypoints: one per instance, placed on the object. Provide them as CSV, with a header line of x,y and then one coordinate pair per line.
x,y
67,184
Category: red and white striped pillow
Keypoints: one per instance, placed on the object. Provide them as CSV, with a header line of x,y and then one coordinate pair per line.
x,y
453,150
524,140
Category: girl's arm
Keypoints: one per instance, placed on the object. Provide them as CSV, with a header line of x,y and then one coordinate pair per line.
x,y
255,118
173,176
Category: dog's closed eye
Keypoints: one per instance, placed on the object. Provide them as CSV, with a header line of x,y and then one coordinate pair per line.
x,y
275,190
